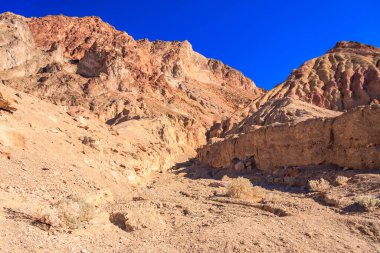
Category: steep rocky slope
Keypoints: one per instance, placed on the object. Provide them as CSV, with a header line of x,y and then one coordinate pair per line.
x,y
144,59
346,76
160,92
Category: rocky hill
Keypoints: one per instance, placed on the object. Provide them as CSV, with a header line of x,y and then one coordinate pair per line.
x,y
347,76
158,91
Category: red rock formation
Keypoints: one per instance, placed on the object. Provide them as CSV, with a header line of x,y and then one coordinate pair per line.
x,y
346,76
91,35
162,89
107,71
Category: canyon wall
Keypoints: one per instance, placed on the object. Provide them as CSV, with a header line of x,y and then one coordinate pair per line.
x,y
350,140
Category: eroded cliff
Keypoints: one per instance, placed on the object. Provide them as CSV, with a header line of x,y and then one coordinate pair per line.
x,y
350,140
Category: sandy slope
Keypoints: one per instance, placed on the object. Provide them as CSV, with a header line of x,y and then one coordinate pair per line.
x,y
44,161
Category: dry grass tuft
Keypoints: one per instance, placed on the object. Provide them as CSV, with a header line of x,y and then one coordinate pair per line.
x,y
341,180
226,178
242,188
74,210
369,203
70,213
334,200
320,185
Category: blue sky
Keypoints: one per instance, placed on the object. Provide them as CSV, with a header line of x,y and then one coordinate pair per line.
x,y
263,39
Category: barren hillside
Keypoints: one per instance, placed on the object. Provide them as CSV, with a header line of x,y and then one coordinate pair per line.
x,y
111,144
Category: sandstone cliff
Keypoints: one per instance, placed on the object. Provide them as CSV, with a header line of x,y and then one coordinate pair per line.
x,y
349,140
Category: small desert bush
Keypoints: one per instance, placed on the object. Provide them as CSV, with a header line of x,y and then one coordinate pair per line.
x,y
334,200
226,178
341,180
369,203
320,185
70,212
242,188
75,210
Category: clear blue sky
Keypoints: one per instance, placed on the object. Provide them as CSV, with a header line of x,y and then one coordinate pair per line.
x,y
263,39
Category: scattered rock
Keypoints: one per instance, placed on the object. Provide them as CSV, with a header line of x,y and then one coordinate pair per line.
x,y
137,218
218,184
5,105
89,141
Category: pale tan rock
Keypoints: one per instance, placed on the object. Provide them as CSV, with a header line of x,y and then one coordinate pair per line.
x,y
279,111
349,140
5,105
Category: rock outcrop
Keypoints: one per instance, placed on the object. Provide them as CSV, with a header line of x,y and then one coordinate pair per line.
x,y
283,110
18,55
98,46
5,105
349,140
345,77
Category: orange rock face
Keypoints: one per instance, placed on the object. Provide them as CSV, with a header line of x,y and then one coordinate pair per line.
x,y
103,43
171,70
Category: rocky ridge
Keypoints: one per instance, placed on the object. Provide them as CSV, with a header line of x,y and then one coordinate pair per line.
x,y
161,92
347,76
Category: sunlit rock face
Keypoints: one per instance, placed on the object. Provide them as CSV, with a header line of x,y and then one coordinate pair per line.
x,y
346,76
348,140
163,93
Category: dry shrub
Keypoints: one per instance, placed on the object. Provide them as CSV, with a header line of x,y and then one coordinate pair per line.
x,y
334,200
226,178
242,188
341,180
272,197
70,213
320,185
75,210
369,203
